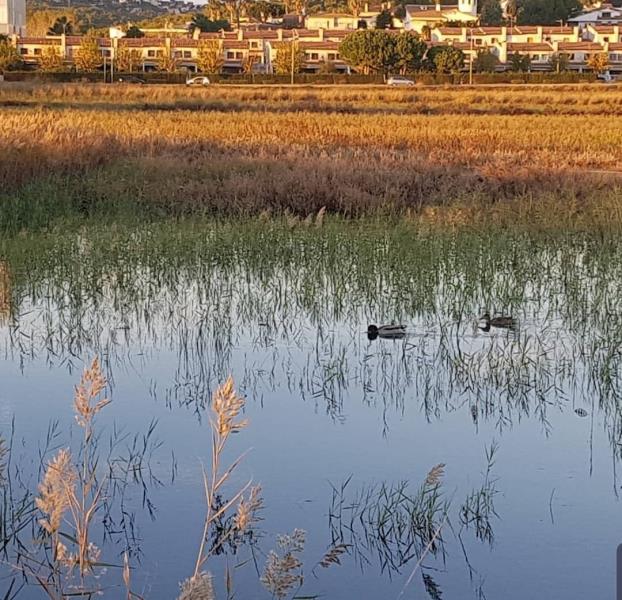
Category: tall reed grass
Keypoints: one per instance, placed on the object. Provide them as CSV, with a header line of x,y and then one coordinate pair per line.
x,y
85,161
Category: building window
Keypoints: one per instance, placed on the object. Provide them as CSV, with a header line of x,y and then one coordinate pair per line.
x,y
239,55
151,53
37,52
230,55
187,53
254,44
332,56
606,39
23,51
178,54
606,15
478,42
106,53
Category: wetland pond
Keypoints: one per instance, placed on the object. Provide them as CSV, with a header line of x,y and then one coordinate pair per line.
x,y
343,430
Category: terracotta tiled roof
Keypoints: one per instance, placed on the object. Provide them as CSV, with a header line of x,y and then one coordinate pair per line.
x,y
235,45
427,14
331,15
39,41
615,46
319,45
530,47
557,30
524,29
602,28
579,46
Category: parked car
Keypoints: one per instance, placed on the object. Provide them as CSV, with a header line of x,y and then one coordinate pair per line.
x,y
399,80
131,79
201,80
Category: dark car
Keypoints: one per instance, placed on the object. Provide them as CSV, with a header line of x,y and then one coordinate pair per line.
x,y
131,79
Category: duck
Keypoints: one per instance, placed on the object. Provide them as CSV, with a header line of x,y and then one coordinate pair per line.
x,y
392,332
504,322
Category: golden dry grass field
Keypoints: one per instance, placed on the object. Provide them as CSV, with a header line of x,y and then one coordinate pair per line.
x,y
354,150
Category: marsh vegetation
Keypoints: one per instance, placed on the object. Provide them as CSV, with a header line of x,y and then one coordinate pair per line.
x,y
440,156
186,238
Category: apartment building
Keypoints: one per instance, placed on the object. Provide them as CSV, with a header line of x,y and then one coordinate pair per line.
x,y
256,50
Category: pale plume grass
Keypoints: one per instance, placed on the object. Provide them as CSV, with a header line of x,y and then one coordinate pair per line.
x,y
70,495
225,420
283,571
57,491
197,587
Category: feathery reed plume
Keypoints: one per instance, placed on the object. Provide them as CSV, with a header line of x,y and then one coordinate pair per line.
x,y
226,407
57,490
197,587
332,556
88,390
247,509
435,475
283,573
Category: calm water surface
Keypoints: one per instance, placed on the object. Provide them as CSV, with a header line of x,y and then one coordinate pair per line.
x,y
333,415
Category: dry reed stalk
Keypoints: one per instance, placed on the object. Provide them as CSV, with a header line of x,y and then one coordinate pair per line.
x,y
67,488
226,408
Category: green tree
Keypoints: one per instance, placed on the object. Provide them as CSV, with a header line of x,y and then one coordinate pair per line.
x,y
371,50
88,56
206,25
445,59
520,63
409,52
546,12
283,59
9,57
485,62
262,10
210,56
51,59
598,62
60,26
134,32
559,62
384,20
491,13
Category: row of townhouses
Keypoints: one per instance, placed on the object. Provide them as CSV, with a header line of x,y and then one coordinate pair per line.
x,y
321,46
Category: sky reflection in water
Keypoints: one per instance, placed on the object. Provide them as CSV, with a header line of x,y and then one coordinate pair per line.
x,y
326,404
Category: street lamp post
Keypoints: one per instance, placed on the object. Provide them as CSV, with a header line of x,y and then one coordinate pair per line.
x,y
294,40
471,58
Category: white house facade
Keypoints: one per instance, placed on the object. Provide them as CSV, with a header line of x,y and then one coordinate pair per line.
x,y
418,16
606,14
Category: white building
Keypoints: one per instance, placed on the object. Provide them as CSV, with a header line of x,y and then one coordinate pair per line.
x,y
12,17
419,16
606,14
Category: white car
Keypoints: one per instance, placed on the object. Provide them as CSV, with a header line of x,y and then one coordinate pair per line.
x,y
399,80
201,80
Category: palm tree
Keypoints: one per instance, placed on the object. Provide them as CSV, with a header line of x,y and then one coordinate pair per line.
x,y
61,25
